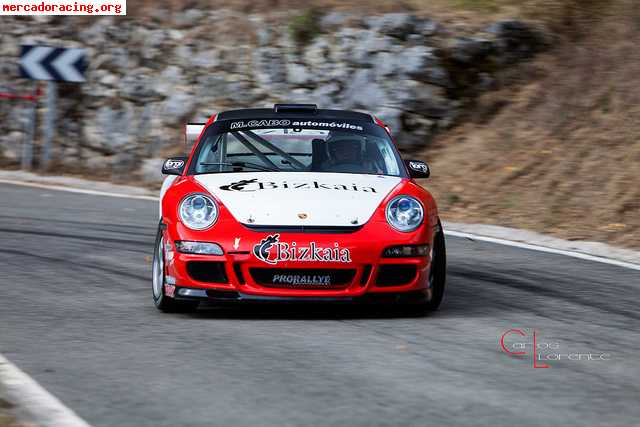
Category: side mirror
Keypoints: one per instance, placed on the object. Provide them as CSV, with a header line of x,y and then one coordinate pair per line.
x,y
418,169
174,166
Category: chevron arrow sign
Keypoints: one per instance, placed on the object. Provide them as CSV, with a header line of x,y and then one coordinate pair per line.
x,y
53,63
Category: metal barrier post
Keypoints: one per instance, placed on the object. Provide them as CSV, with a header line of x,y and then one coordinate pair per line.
x,y
49,124
27,144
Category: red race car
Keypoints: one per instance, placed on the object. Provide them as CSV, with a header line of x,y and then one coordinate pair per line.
x,y
296,203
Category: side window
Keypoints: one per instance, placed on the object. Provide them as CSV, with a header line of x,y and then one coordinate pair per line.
x,y
375,157
389,159
212,152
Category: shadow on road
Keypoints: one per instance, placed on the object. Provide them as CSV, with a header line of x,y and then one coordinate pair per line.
x,y
462,299
288,311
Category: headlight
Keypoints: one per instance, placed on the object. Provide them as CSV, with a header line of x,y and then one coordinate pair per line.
x,y
198,211
405,213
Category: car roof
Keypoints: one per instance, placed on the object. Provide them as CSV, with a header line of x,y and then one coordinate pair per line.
x,y
310,111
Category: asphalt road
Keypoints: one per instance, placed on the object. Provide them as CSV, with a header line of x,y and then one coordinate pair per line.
x,y
76,314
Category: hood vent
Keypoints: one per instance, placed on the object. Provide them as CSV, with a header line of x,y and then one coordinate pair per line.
x,y
319,229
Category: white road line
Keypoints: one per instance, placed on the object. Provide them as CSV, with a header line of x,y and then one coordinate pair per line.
x,y
77,190
523,245
538,248
44,409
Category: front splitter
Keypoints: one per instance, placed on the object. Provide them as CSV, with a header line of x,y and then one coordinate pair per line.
x,y
412,297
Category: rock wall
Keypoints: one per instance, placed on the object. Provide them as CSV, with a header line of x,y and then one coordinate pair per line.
x,y
149,76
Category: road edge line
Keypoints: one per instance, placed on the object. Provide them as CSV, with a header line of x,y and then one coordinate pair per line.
x,y
45,409
538,248
77,190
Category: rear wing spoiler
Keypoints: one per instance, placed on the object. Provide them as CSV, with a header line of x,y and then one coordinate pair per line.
x,y
192,132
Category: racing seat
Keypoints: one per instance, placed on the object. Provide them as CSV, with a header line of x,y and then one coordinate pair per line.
x,y
318,154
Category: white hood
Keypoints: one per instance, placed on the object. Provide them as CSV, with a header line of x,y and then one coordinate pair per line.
x,y
299,198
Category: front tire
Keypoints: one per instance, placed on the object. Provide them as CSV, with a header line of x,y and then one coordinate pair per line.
x,y
437,277
160,299
437,272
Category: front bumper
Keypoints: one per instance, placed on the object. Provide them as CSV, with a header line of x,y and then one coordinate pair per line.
x,y
239,274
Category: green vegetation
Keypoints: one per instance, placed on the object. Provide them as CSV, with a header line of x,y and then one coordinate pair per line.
x,y
483,6
6,420
453,198
306,26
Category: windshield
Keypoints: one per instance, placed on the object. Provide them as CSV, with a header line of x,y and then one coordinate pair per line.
x,y
297,150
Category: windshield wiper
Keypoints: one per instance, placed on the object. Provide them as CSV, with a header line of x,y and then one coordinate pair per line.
x,y
243,165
